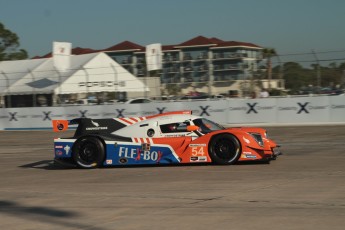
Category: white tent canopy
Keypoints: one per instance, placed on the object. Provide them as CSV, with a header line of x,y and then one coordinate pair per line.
x,y
12,71
88,73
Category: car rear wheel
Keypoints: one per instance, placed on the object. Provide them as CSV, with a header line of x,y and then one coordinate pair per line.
x,y
224,149
88,152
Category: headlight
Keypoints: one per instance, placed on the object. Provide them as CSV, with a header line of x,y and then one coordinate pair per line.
x,y
258,138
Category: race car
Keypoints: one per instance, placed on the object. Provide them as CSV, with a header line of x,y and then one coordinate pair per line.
x,y
177,137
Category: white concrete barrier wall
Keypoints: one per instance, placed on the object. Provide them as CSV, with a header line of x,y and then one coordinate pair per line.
x,y
248,111
337,109
302,110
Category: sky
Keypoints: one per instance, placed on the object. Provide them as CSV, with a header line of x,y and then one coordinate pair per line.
x,y
290,27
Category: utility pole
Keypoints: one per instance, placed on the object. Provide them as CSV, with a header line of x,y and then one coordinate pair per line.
x,y
318,73
281,71
269,73
281,68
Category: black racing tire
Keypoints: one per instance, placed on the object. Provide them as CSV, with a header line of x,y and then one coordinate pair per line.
x,y
224,149
89,152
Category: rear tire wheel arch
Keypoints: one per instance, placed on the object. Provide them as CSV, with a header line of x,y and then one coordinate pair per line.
x,y
89,152
224,149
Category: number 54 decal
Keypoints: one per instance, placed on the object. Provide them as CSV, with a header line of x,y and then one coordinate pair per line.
x,y
198,151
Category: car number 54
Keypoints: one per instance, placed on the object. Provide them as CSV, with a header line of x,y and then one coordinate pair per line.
x,y
198,151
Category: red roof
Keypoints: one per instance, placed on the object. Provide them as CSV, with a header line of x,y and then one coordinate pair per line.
x,y
216,40
79,50
203,41
49,55
126,45
235,43
169,47
198,41
36,57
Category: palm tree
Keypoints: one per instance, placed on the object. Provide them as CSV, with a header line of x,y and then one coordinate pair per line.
x,y
268,53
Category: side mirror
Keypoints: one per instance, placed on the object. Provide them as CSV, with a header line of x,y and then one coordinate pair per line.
x,y
192,128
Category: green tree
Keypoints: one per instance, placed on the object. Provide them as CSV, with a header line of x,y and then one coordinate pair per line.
x,y
297,77
331,75
341,66
9,46
268,53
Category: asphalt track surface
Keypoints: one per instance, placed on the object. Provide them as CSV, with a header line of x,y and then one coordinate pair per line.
x,y
303,189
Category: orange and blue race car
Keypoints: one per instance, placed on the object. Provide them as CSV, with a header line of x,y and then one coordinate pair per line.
x,y
170,138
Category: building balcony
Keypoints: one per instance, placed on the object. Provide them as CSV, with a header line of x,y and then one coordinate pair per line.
x,y
202,56
141,73
187,57
172,70
187,69
188,79
228,56
202,68
229,67
170,59
199,61
223,83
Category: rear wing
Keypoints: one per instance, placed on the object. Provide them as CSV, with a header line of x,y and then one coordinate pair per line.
x,y
60,125
87,126
63,125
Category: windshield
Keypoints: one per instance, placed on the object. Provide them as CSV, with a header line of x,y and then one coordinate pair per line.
x,y
207,126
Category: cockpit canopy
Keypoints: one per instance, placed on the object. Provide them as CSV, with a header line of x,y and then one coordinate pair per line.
x,y
169,126
207,126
